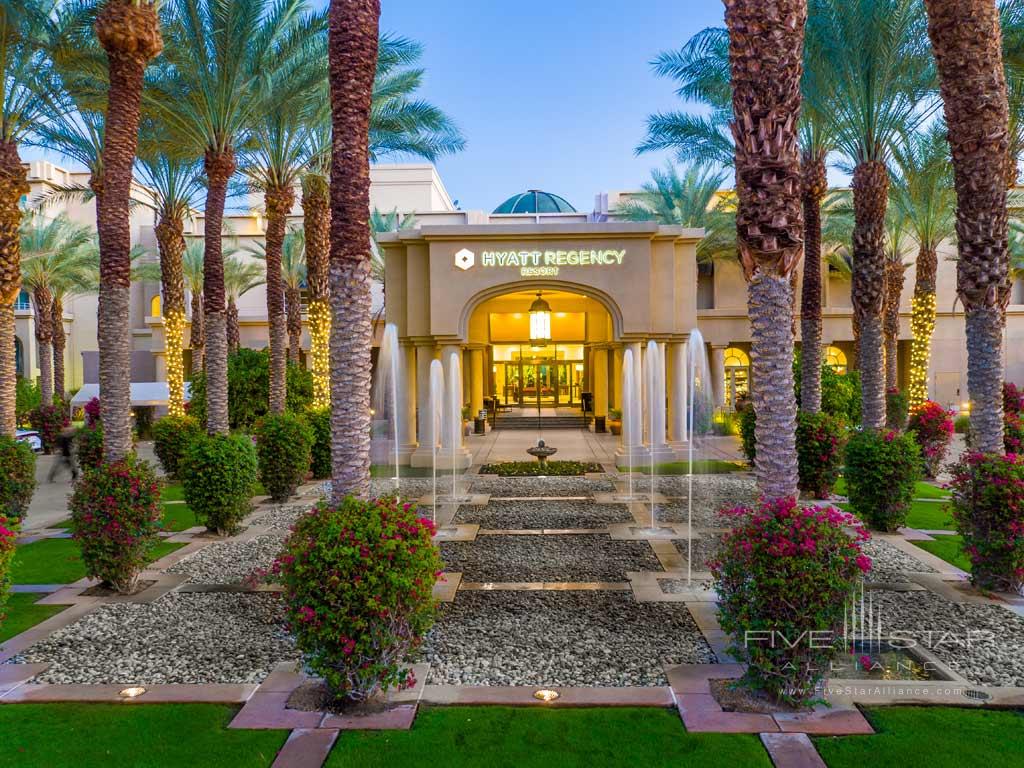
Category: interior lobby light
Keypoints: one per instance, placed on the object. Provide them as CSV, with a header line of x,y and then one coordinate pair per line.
x,y
540,320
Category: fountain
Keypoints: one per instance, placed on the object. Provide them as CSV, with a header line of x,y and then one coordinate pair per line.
x,y
451,427
632,420
385,395
700,406
541,452
654,382
436,402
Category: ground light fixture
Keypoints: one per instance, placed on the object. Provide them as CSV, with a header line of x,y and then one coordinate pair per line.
x,y
546,695
131,692
540,320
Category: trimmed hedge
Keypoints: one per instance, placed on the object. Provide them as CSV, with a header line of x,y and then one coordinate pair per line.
x,y
320,452
882,467
171,438
283,443
17,478
218,473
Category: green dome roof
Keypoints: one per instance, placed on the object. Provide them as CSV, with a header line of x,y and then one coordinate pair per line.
x,y
535,201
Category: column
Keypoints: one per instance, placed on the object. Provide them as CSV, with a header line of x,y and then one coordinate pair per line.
x,y
616,382
407,391
677,392
718,374
423,456
452,453
599,378
476,370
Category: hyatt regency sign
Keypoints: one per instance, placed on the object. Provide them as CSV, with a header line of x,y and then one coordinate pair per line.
x,y
540,263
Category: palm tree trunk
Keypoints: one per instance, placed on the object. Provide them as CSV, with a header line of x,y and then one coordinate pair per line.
x,y
317,223
13,184
197,332
766,60
293,306
352,55
966,38
170,240
130,36
219,168
42,301
59,344
815,186
870,197
922,322
278,204
234,332
893,292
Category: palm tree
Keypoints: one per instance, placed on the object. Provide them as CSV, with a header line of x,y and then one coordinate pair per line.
x,y
23,105
352,51
766,73
876,76
922,191
896,229
240,277
966,40
1011,21
293,279
56,257
192,269
220,53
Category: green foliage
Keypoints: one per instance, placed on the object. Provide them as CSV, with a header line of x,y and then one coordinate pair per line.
x,y
218,473
962,424
171,438
896,406
819,449
27,399
115,513
17,478
283,443
535,469
358,582
89,446
249,389
49,421
840,392
8,543
143,422
786,572
748,425
882,467
320,454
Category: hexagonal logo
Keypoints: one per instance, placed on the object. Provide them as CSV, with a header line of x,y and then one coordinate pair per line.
x,y
465,259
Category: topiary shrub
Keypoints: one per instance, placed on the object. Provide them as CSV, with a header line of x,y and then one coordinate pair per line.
x,y
115,515
819,449
8,542
320,453
89,446
784,577
171,438
881,469
988,510
17,478
283,443
932,428
49,421
748,438
896,405
358,582
218,473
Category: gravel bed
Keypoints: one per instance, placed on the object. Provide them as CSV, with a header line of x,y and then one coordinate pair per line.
x,y
712,491
704,549
560,639
540,486
525,515
890,563
230,562
980,642
281,518
580,557
410,487
180,638
705,515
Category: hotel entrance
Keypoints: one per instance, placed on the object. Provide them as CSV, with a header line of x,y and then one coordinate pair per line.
x,y
529,376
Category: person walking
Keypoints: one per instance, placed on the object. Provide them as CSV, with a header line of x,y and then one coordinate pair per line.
x,y
66,441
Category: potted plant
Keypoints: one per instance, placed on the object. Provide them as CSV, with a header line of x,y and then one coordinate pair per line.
x,y
615,421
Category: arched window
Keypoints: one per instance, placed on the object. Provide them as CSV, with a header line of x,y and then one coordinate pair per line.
x,y
737,375
154,306
835,359
19,358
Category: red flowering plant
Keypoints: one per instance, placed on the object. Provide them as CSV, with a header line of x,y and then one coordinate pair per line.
x,y
882,467
819,448
49,421
8,538
358,588
932,427
1013,398
784,576
92,412
115,514
988,510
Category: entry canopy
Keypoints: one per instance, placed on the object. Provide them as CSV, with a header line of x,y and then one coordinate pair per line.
x,y
535,201
144,393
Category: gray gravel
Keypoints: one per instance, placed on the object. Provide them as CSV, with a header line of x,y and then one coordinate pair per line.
x,y
410,487
890,563
281,518
981,642
526,515
712,491
580,557
180,638
230,562
705,515
704,549
540,486
560,639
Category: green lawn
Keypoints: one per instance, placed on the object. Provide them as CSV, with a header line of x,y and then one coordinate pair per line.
x,y
57,561
23,613
503,737
172,492
921,490
131,736
948,548
930,737
700,467
927,515
178,517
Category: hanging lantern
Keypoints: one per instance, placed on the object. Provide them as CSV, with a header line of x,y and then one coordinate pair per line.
x,y
540,320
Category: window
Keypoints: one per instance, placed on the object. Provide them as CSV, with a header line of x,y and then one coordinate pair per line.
x,y
23,301
737,375
835,359
705,285
154,306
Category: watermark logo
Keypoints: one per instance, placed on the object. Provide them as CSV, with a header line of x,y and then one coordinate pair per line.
x,y
465,259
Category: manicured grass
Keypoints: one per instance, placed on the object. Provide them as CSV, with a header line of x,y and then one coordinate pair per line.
x,y
23,613
178,517
921,490
949,549
700,467
131,736
928,515
172,492
930,737
57,561
552,468
502,737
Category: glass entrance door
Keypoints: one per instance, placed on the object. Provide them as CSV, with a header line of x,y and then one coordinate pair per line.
x,y
539,384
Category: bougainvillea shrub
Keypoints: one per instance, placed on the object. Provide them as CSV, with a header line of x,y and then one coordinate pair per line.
x,y
49,421
283,443
1013,398
17,478
115,515
784,577
92,412
171,438
218,474
932,427
358,586
1013,432
882,467
988,510
819,448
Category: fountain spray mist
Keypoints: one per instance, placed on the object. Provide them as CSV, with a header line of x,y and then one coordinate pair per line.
x,y
436,402
386,392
